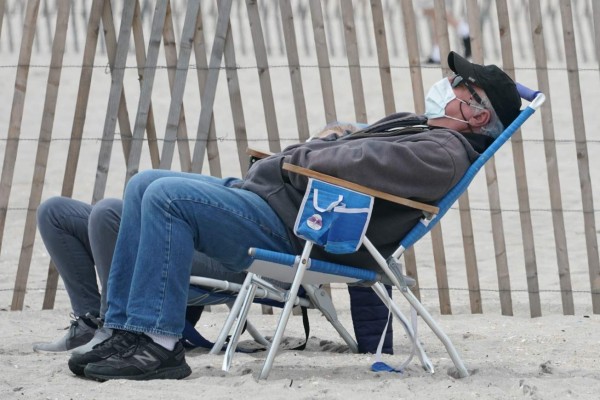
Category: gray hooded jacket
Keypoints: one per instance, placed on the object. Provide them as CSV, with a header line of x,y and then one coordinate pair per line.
x,y
421,166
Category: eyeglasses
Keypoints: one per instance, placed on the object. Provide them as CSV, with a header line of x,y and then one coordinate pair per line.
x,y
458,80
470,104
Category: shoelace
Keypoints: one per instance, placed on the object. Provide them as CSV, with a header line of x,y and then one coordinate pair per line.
x,y
129,351
73,324
115,341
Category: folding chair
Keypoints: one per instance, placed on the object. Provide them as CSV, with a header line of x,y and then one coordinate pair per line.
x,y
309,273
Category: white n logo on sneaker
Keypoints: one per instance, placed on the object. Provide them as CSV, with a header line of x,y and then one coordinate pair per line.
x,y
145,357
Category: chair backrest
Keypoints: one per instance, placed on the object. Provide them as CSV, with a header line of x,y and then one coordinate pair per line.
x,y
422,227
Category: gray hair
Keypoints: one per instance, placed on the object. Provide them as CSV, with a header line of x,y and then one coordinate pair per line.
x,y
494,127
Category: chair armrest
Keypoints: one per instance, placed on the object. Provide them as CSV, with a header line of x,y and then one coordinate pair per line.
x,y
362,189
258,154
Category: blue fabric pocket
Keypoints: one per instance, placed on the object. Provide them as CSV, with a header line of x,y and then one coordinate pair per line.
x,y
333,217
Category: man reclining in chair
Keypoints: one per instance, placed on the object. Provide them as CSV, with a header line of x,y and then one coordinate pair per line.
x,y
167,214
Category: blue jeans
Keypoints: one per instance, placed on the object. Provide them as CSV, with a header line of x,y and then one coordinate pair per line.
x,y
78,236
166,215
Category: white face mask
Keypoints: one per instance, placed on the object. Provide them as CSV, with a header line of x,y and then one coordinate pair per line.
x,y
437,99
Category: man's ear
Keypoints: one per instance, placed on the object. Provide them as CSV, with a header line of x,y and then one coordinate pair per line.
x,y
481,119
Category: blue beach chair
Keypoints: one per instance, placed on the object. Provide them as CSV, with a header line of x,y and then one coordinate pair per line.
x,y
303,272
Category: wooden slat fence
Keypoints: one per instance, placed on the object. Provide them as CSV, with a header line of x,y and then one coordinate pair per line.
x,y
290,67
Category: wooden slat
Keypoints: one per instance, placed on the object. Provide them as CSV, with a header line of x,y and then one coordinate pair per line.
x,y
416,79
352,53
383,57
291,46
178,87
140,56
596,15
110,38
583,161
235,100
437,244
116,91
539,48
147,83
202,74
360,188
47,24
2,10
395,35
364,6
208,96
14,132
441,271
75,23
41,159
264,76
83,94
440,30
323,60
266,90
490,166
170,49
502,271
410,262
9,31
212,146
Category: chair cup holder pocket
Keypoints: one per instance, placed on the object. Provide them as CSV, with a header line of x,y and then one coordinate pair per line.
x,y
346,232
333,217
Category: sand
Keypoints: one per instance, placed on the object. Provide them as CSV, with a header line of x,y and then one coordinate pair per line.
x,y
550,357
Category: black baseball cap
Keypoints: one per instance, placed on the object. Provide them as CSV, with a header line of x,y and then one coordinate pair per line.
x,y
497,85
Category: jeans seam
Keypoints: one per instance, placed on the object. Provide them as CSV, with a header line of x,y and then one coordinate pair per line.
x,y
231,211
76,271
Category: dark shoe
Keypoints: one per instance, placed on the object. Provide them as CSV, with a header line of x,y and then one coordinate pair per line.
x,y
144,361
100,336
467,44
118,342
80,331
193,313
432,61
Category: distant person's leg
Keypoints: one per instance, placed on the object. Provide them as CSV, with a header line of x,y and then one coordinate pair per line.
x,y
103,228
458,24
63,224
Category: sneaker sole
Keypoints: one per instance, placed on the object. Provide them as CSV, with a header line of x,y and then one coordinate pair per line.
x,y
180,372
77,369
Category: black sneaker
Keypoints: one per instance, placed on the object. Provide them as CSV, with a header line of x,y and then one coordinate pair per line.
x,y
144,361
118,342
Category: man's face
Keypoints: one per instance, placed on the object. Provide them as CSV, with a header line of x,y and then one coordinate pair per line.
x,y
464,113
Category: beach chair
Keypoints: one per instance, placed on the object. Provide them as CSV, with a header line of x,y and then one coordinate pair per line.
x,y
304,272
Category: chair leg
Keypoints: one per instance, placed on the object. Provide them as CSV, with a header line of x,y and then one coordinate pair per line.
x,y
323,303
239,326
287,310
379,289
396,278
233,314
462,370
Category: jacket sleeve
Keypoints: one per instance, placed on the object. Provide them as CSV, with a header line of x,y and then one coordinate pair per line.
x,y
424,169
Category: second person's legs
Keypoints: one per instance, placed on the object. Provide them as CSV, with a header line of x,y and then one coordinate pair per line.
x,y
63,226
